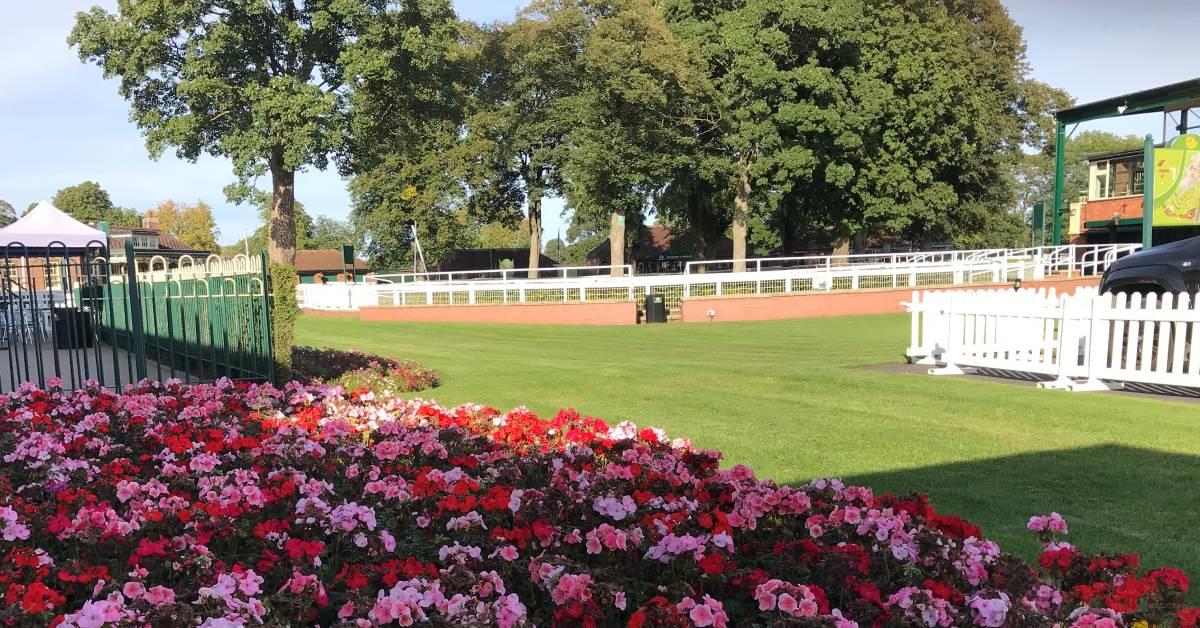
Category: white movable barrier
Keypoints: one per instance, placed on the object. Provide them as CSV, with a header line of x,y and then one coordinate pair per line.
x,y
1084,341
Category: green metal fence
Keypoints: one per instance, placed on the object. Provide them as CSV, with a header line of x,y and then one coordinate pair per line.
x,y
78,315
198,322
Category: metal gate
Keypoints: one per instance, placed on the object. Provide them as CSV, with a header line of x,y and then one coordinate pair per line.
x,y
80,315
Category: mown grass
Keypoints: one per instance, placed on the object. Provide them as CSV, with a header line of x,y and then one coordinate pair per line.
x,y
792,400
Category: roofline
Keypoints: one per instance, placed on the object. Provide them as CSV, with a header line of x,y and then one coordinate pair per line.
x,y
1144,101
1129,152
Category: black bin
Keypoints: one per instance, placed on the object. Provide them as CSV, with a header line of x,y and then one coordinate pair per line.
x,y
656,309
72,328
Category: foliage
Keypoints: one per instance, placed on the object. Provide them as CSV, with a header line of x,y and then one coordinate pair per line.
x,y
8,213
229,504
192,223
497,235
360,372
330,233
632,115
89,203
556,250
406,148
264,84
520,118
284,310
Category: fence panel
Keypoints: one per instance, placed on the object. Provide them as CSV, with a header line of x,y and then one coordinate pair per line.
x,y
1085,341
75,315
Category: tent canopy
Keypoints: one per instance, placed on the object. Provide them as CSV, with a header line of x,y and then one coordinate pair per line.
x,y
46,224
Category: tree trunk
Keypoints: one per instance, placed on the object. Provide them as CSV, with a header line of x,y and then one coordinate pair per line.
x,y
616,241
281,238
841,248
535,235
741,213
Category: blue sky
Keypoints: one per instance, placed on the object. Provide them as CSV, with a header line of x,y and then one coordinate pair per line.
x,y
60,123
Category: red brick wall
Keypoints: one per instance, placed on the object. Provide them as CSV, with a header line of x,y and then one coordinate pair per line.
x,y
821,304
1126,207
529,313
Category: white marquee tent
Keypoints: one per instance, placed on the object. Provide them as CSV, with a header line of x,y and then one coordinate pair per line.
x,y
46,224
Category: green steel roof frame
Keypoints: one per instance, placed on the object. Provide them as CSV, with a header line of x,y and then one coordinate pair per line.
x,y
1157,99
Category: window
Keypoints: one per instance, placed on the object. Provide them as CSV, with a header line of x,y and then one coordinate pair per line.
x,y
1117,177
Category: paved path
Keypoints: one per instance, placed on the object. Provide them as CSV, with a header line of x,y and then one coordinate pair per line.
x,y
110,366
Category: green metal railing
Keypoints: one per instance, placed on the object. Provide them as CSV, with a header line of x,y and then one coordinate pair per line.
x,y
66,315
197,322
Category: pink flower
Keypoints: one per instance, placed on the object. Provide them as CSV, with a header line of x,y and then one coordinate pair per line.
x,y
701,616
133,590
160,596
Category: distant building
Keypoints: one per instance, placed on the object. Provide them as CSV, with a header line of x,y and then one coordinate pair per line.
x,y
457,260
328,264
659,250
148,242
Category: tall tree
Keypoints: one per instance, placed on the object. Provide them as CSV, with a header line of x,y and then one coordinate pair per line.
x,y
499,235
330,233
262,83
633,125
520,118
412,173
192,223
780,71
89,203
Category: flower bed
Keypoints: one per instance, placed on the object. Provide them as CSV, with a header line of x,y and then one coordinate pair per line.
x,y
235,504
355,371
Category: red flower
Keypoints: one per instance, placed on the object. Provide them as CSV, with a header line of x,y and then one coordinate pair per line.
x,y
1169,577
1188,617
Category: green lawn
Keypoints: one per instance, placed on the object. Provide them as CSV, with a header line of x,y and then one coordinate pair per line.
x,y
792,400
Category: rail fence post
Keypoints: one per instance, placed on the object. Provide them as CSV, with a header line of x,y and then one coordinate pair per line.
x,y
137,332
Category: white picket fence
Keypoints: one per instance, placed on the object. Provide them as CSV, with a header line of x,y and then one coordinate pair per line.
x,y
1082,341
767,277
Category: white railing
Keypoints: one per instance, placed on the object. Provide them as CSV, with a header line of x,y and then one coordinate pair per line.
x,y
1084,341
934,269
1070,259
505,274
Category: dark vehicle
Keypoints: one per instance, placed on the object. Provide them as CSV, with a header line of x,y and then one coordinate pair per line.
x,y
1173,267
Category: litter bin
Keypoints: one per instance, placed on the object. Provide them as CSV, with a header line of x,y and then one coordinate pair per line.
x,y
72,328
656,309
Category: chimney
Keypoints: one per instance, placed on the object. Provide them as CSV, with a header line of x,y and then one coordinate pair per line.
x,y
150,219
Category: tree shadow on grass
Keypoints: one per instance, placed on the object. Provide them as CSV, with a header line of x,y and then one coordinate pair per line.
x,y
1115,498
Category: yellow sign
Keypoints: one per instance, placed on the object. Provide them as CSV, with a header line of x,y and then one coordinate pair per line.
x,y
1177,182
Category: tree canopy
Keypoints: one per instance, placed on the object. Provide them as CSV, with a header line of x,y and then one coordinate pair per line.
x,y
785,125
270,85
192,223
8,213
89,203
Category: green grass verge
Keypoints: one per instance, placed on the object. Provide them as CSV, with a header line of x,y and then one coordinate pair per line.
x,y
792,400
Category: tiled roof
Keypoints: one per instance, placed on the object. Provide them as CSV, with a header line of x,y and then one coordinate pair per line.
x,y
323,260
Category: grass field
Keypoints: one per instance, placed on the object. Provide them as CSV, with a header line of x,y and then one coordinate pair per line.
x,y
792,400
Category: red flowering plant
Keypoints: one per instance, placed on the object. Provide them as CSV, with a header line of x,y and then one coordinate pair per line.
x,y
360,372
238,504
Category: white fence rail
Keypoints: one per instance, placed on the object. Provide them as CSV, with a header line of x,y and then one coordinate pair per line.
x,y
936,269
505,274
1084,341
1070,259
